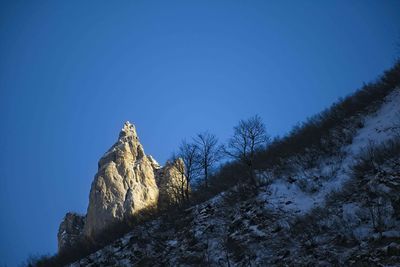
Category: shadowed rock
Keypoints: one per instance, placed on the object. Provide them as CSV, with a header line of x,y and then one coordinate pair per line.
x,y
70,230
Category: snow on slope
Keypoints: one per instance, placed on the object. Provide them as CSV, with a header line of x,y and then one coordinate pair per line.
x,y
258,230
378,128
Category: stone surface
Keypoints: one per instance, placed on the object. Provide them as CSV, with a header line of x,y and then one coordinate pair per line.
x,y
124,184
127,181
172,183
70,230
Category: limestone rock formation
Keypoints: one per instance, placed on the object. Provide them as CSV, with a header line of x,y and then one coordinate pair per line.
x,y
70,230
172,183
127,181
124,184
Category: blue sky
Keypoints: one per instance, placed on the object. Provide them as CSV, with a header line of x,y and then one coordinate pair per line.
x,y
71,73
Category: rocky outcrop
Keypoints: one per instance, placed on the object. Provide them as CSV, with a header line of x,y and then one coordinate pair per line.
x,y
124,184
127,181
172,183
70,230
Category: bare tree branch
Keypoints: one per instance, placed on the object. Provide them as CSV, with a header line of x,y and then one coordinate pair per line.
x,y
208,153
189,153
248,137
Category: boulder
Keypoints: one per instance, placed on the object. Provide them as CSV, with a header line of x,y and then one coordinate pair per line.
x,y
70,230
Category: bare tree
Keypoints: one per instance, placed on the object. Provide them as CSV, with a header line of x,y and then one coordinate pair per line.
x,y
248,137
189,153
208,153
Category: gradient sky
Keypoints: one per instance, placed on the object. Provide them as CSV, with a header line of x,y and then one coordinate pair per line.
x,y
71,73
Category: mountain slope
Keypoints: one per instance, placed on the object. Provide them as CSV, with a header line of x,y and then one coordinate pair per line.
x,y
333,204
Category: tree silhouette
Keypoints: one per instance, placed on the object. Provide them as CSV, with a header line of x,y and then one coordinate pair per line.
x,y
248,137
208,153
189,153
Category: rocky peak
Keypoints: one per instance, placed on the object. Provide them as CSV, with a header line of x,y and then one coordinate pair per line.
x,y
127,181
124,184
128,131
127,149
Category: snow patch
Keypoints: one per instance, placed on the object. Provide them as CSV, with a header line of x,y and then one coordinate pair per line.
x,y
378,127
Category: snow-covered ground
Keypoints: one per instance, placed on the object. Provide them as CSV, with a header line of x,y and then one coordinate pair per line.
x,y
378,128
268,229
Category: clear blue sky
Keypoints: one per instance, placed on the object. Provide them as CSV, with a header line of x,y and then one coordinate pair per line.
x,y
71,73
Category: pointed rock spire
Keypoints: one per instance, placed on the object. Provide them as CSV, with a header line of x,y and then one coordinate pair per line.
x,y
127,181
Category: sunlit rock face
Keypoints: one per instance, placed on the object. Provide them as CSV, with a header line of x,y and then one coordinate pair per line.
x,y
124,184
172,183
127,181
70,230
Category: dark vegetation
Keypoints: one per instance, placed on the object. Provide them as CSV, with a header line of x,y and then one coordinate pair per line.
x,y
376,177
320,135
323,133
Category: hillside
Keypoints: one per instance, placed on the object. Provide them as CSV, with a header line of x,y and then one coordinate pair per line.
x,y
311,221
328,195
